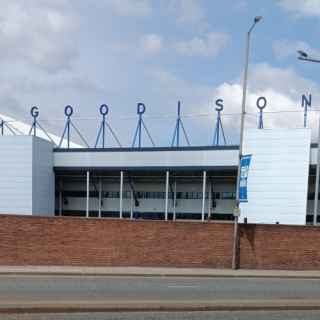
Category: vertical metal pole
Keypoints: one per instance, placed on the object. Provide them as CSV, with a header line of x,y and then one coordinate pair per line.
x,y
100,196
68,133
305,117
178,126
243,111
88,193
218,128
103,130
167,196
121,194
316,192
140,120
174,199
131,205
203,194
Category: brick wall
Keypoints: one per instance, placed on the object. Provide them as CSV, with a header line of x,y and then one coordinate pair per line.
x,y
100,242
103,242
279,247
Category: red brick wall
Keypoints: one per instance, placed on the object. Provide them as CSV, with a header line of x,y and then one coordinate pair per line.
x,y
280,247
101,242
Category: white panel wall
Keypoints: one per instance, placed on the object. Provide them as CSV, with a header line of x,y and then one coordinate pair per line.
x,y
43,188
278,175
122,159
16,175
26,176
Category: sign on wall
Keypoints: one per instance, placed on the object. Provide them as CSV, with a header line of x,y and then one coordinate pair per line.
x,y
244,170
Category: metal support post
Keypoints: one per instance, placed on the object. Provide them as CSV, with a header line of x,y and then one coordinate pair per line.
x,y
316,191
121,194
203,194
167,197
88,194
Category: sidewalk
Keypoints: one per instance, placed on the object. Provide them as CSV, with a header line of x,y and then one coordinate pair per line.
x,y
18,307
154,272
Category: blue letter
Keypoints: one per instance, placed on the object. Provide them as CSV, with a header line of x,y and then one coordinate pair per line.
x,y
264,102
305,102
141,108
34,112
104,109
219,104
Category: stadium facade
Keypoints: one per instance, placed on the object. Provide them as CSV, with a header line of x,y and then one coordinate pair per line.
x,y
169,183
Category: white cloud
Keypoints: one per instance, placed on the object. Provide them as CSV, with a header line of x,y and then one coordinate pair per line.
x,y
285,48
151,43
207,46
130,8
281,87
40,35
188,11
301,7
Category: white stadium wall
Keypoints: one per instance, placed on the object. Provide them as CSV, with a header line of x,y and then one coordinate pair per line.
x,y
27,177
278,175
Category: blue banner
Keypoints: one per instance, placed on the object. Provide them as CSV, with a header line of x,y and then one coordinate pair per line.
x,y
244,169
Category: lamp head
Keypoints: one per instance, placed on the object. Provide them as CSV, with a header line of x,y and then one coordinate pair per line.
x,y
302,54
257,19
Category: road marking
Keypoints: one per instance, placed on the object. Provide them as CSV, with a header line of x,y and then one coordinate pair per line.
x,y
182,286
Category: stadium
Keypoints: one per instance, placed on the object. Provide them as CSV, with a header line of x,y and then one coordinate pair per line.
x,y
46,175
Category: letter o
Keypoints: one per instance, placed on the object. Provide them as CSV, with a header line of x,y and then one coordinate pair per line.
x,y
68,111
264,103
104,109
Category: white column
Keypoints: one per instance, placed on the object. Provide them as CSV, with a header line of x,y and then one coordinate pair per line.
x,y
209,199
203,194
167,196
88,195
131,205
174,199
121,194
100,197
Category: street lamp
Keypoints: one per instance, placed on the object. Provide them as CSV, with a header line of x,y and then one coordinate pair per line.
x,y
305,57
256,20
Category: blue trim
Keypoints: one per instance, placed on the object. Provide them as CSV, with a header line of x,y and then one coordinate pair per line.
x,y
144,149
171,169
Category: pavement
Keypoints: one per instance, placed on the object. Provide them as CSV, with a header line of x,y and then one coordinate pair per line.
x,y
156,272
22,293
209,315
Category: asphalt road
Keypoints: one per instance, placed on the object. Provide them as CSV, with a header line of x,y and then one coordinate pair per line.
x,y
123,289
221,315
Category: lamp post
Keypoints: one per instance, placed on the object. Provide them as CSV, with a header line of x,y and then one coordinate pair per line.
x,y
305,57
243,111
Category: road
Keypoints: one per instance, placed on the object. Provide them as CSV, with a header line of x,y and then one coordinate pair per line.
x,y
220,315
122,289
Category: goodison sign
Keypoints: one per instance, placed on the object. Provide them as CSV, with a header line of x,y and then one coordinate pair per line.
x,y
261,102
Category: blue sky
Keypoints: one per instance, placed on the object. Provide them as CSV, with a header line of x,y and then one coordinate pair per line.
x,y
121,52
